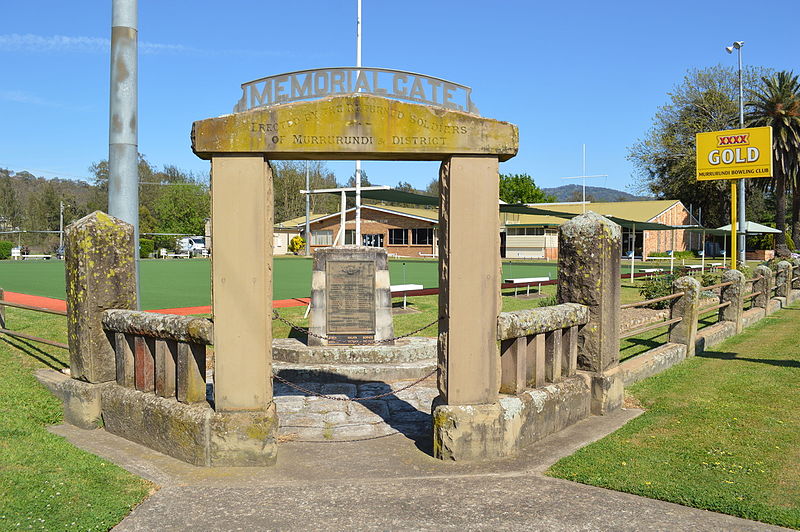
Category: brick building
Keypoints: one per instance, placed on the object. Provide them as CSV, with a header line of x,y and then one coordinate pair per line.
x,y
411,232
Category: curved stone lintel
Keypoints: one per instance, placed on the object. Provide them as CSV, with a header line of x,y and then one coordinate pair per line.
x,y
540,320
162,326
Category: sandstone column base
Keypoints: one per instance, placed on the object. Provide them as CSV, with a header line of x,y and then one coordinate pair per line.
x,y
82,405
608,390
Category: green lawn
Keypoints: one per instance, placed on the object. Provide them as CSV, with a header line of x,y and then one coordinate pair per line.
x,y
721,431
45,482
187,282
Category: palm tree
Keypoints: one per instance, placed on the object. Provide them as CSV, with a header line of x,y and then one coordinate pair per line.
x,y
776,103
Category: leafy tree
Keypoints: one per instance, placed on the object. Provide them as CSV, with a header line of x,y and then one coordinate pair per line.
x,y
183,209
10,208
433,187
289,178
776,103
706,100
520,188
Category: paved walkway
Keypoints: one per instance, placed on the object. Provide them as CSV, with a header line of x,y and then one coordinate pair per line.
x,y
391,483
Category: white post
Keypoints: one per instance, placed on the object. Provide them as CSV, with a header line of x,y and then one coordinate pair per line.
x,y
633,248
308,213
358,163
340,240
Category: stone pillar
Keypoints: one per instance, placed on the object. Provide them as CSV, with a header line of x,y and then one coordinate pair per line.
x,y
782,279
795,274
100,275
763,285
735,294
241,222
469,280
685,307
589,254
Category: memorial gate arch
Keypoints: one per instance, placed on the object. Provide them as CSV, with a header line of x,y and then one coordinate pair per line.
x,y
365,124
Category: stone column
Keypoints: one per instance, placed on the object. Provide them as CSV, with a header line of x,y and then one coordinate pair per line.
x,y
241,266
589,257
763,285
469,280
782,279
100,275
735,294
685,307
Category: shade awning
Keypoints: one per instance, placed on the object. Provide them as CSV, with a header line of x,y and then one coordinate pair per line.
x,y
752,228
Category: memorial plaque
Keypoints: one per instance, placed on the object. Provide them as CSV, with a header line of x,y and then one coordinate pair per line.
x,y
350,300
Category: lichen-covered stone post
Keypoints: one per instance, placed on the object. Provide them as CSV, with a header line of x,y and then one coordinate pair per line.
x,y
795,274
782,279
685,307
469,280
589,257
735,294
100,275
763,286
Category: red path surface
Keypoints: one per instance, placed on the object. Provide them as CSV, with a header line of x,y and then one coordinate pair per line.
x,y
60,304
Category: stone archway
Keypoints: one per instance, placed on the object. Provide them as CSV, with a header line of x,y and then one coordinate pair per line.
x,y
351,127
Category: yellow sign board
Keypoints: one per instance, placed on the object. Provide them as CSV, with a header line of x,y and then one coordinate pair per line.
x,y
734,154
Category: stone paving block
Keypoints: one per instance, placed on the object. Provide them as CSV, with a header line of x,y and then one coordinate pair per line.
x,y
336,418
377,407
323,406
398,405
357,431
290,403
339,388
312,386
412,429
373,388
302,419
415,417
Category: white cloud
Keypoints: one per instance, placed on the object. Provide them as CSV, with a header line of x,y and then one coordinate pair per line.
x,y
24,97
28,42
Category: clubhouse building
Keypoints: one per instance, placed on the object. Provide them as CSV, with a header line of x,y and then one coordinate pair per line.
x,y
411,232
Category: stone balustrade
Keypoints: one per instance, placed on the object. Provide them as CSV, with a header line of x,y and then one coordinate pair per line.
x,y
539,346
160,353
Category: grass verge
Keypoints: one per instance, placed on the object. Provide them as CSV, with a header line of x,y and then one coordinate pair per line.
x,y
720,433
45,482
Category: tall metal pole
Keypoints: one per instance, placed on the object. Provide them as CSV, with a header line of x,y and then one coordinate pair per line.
x,y
358,163
742,236
123,129
308,213
61,227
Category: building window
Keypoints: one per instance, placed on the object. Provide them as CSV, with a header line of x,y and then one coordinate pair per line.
x,y
422,236
372,241
349,237
398,237
525,231
322,238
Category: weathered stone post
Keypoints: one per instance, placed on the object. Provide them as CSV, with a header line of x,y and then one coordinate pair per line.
x,y
685,307
735,294
795,284
589,257
100,275
764,286
469,280
782,279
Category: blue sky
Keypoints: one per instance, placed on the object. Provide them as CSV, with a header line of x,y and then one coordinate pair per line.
x,y
566,73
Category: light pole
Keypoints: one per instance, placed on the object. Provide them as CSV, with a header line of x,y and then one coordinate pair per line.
x,y
742,236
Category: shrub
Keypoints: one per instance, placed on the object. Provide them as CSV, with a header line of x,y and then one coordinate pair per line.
x,y
747,271
677,254
789,242
146,247
657,287
297,244
5,249
710,278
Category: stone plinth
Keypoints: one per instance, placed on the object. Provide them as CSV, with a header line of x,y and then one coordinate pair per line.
x,y
351,299
100,275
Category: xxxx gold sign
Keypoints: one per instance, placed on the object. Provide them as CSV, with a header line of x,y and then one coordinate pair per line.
x,y
734,154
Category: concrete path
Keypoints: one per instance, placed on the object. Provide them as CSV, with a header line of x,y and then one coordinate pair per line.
x,y
391,483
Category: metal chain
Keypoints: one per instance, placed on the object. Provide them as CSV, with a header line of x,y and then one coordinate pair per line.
x,y
276,316
380,396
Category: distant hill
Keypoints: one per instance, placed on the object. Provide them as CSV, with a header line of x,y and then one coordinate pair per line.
x,y
598,194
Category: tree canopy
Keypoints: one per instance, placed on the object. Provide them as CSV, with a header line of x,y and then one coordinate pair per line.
x,y
520,188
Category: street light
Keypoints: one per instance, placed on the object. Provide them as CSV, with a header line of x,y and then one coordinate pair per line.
x,y
741,238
